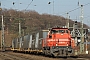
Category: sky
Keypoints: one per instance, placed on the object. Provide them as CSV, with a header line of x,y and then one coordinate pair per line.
x,y
56,7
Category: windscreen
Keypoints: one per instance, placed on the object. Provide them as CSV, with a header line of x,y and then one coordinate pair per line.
x,y
58,31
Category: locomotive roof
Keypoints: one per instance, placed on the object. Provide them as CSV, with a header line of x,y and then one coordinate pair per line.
x,y
54,28
59,28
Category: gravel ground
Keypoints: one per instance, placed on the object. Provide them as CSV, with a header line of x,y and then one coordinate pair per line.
x,y
20,56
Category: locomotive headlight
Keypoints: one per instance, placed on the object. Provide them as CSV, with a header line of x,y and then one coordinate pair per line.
x,y
67,44
79,40
61,34
56,44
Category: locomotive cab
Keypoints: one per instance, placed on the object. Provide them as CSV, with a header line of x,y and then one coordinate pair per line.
x,y
56,31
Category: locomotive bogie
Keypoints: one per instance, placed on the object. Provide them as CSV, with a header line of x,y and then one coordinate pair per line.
x,y
62,51
58,51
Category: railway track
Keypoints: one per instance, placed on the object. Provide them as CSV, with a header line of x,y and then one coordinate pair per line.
x,y
20,56
12,56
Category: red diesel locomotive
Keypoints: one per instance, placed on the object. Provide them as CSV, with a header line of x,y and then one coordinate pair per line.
x,y
58,42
